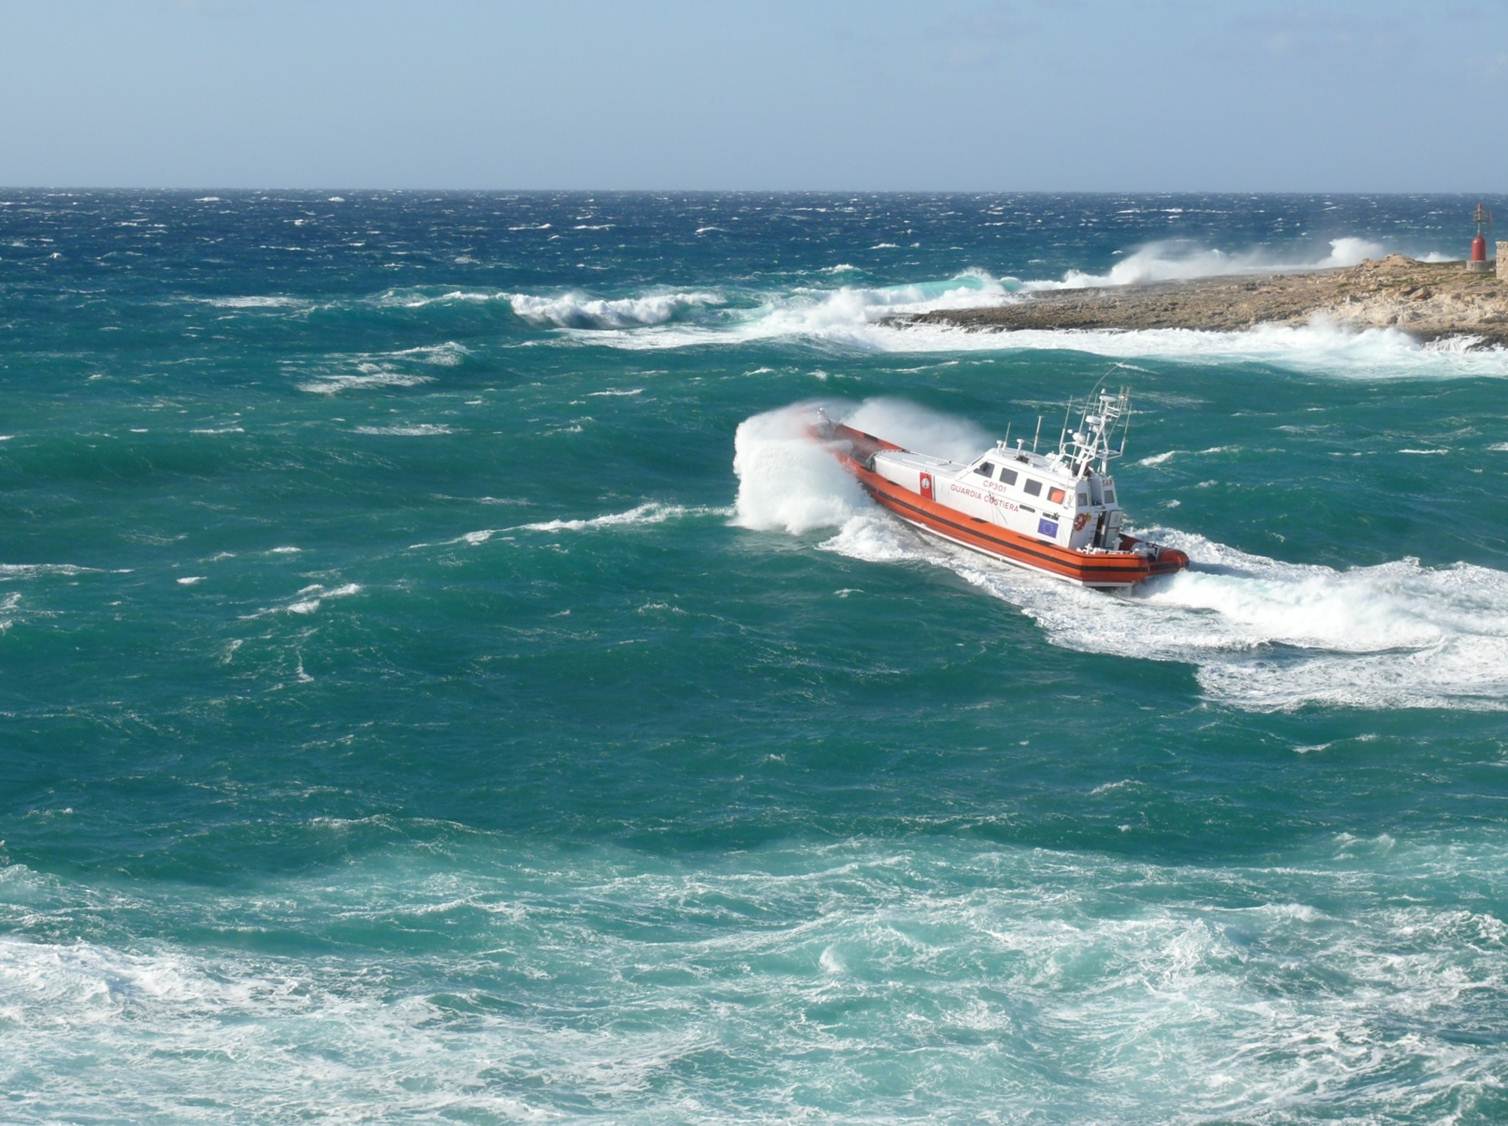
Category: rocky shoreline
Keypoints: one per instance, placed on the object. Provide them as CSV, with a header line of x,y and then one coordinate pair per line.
x,y
1428,300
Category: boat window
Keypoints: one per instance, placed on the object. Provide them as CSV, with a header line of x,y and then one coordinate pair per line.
x,y
1007,476
1056,495
1083,498
1033,487
1109,495
985,469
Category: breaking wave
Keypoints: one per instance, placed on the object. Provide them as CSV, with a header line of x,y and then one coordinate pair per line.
x,y
1263,634
365,370
865,319
1179,260
848,315
580,311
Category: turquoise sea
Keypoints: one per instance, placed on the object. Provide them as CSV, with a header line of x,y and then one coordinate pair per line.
x,y
409,710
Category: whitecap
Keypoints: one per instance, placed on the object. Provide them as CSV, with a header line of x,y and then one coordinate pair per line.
x,y
652,512
579,311
255,301
335,384
420,430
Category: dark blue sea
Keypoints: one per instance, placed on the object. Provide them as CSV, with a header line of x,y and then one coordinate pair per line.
x,y
438,682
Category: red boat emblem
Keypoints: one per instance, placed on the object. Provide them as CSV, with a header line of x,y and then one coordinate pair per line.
x,y
926,489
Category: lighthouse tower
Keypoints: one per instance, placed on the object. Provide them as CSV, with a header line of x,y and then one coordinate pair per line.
x,y
1478,260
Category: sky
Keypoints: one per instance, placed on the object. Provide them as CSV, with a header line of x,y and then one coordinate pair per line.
x,y
1073,95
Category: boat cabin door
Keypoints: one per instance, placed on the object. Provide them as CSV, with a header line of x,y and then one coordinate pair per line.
x,y
1113,529
926,485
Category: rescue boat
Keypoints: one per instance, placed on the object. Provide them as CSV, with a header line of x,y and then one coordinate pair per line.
x,y
1057,513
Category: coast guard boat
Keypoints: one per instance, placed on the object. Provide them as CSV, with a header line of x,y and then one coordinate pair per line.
x,y
1051,512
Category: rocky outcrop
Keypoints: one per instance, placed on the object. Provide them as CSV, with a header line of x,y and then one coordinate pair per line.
x,y
1429,300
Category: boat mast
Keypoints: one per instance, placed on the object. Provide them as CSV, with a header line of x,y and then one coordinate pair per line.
x,y
1090,442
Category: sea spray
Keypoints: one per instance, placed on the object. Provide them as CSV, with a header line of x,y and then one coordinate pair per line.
x,y
1181,260
787,481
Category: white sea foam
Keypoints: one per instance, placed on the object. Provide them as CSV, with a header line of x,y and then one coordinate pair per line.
x,y
580,311
1270,990
370,377
786,481
309,599
419,430
1321,346
860,318
1169,455
21,571
385,369
847,316
418,299
1180,260
1262,634
270,301
10,606
652,512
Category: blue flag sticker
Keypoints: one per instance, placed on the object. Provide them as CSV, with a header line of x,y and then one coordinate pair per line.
x,y
1048,528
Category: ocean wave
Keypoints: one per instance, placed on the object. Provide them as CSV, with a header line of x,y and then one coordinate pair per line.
x,y
268,301
367,376
652,512
1268,990
10,610
649,513
1180,260
423,298
580,311
308,600
849,315
1320,346
384,369
1264,635
870,319
10,572
418,430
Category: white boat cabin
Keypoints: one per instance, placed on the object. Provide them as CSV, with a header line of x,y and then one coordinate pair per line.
x,y
1064,497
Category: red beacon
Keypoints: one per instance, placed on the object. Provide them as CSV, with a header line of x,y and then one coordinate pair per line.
x,y
1478,260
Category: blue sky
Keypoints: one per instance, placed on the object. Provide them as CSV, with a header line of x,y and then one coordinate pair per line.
x,y
768,94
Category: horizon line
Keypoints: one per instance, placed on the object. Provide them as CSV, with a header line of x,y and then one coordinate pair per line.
x,y
753,191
